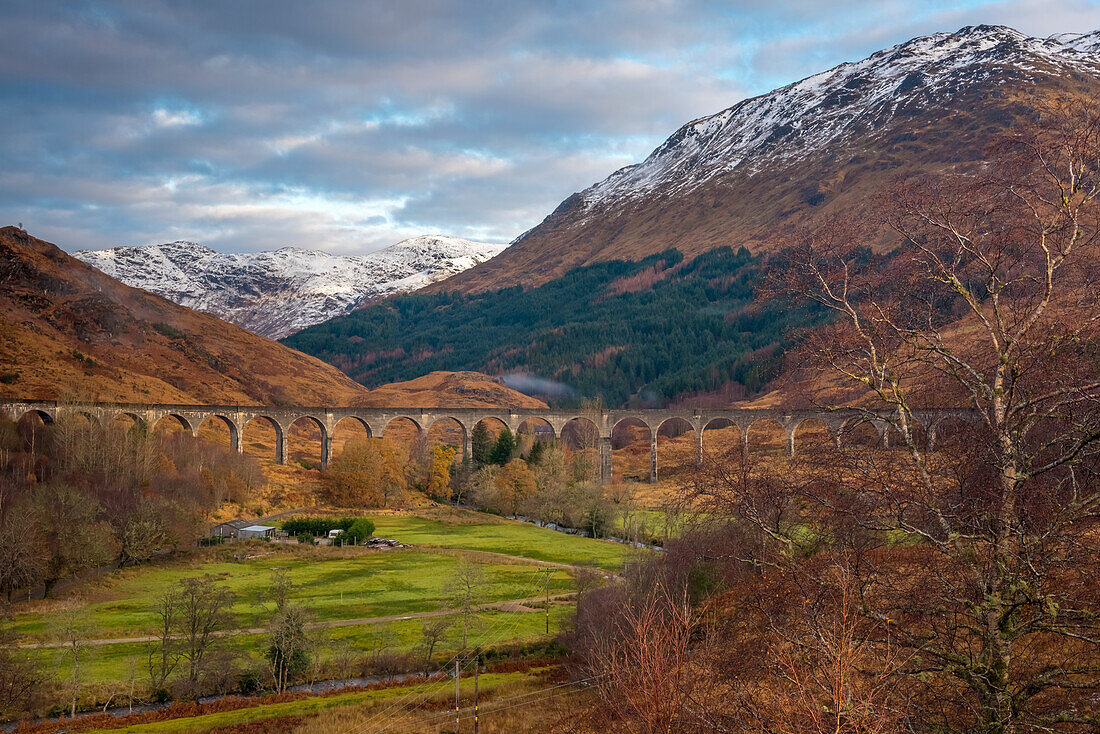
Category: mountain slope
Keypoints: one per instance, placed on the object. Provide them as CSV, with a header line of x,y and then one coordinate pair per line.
x,y
643,333
279,292
449,390
822,145
67,331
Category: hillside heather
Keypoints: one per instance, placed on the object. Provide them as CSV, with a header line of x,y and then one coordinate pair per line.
x,y
70,332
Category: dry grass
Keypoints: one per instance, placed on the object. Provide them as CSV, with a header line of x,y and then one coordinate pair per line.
x,y
74,333
536,703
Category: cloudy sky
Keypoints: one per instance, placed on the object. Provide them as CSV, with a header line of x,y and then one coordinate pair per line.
x,y
348,125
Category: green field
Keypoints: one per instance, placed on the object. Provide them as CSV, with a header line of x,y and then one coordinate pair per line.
x,y
336,584
477,531
107,669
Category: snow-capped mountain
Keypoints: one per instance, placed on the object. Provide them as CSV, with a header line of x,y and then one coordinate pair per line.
x,y
278,292
820,145
828,109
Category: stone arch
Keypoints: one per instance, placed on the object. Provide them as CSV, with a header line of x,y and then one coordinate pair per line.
x,y
262,436
166,420
725,438
580,433
355,419
32,427
532,430
133,420
347,429
860,431
632,444
891,437
948,429
766,436
214,435
407,432
79,414
811,432
301,434
671,435
485,427
447,430
41,415
581,436
919,431
494,423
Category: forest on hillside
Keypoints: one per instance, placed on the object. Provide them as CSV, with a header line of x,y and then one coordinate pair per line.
x,y
627,333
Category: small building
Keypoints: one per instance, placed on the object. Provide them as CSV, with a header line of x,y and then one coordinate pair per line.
x,y
230,529
256,531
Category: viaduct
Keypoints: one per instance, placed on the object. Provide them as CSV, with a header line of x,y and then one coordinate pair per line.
x,y
599,424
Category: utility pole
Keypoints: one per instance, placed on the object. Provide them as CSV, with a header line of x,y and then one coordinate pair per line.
x,y
547,572
456,695
477,669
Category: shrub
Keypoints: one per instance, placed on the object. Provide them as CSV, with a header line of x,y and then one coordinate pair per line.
x,y
79,356
316,526
360,530
8,378
251,682
306,539
168,330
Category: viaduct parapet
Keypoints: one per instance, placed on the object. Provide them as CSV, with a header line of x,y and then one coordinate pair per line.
x,y
600,423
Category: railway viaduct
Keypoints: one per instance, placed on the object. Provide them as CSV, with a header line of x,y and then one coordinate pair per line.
x,y
600,424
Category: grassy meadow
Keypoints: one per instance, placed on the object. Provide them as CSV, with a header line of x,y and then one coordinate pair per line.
x,y
345,588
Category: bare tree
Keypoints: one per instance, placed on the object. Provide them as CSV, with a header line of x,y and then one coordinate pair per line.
x,y
290,646
72,536
432,632
464,590
73,629
203,609
163,656
21,677
831,674
651,676
21,562
144,531
280,589
992,304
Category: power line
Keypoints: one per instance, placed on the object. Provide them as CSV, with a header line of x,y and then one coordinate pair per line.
x,y
485,712
398,707
399,703
422,697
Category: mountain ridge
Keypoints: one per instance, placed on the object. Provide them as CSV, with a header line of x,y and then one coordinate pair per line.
x,y
818,146
277,292
71,332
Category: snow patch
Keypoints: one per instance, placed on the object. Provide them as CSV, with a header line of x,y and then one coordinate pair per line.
x,y
276,293
822,110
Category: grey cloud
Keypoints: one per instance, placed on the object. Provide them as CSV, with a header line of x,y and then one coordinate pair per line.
x,y
347,125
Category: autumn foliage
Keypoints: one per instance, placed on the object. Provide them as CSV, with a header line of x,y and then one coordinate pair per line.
x,y
367,473
946,584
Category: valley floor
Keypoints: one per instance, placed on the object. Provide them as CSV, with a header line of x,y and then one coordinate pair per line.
x,y
366,606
